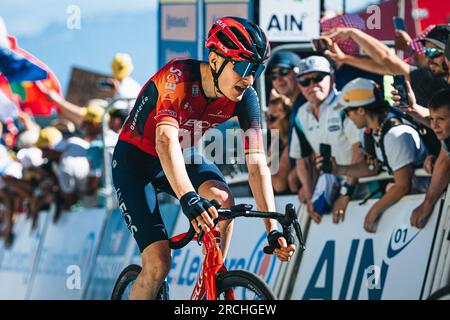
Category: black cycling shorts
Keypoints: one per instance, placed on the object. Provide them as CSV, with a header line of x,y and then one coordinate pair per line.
x,y
138,177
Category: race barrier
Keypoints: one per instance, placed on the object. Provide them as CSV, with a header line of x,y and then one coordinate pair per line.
x,y
81,255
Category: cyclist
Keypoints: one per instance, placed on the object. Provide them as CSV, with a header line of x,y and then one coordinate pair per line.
x,y
189,96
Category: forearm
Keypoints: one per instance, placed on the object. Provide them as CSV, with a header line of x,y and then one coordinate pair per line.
x,y
70,111
420,114
304,169
439,179
280,177
365,63
172,162
357,157
393,195
261,186
356,170
380,53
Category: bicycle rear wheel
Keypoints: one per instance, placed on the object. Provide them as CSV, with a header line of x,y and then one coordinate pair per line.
x,y
244,285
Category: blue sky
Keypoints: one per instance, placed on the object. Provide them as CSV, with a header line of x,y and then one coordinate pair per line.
x,y
107,27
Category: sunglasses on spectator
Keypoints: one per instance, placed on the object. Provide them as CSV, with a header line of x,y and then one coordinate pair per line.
x,y
246,68
432,52
307,81
271,118
282,72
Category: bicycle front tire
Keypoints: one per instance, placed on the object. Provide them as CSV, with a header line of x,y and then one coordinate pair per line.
x,y
243,282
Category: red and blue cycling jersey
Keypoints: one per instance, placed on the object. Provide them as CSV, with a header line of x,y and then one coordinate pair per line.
x,y
174,96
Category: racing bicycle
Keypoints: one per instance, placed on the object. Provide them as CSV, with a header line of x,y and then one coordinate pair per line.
x,y
215,282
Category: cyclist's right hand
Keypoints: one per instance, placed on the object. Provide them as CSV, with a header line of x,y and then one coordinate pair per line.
x,y
199,211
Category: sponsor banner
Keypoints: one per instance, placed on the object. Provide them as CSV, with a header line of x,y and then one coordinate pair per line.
x,y
179,31
17,264
290,20
343,261
245,253
179,22
111,258
67,256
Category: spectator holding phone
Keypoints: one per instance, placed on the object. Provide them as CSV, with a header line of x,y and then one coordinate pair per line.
x,y
439,107
318,123
344,73
382,60
389,144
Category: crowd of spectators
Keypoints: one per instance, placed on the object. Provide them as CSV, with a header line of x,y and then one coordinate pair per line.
x,y
61,164
344,102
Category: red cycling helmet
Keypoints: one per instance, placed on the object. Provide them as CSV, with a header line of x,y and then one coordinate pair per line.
x,y
241,42
238,38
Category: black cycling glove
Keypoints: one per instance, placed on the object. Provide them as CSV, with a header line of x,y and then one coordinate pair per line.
x,y
193,205
272,239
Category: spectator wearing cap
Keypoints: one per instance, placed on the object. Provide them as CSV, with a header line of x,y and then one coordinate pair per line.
x,y
69,163
283,71
403,148
318,123
439,107
382,60
125,86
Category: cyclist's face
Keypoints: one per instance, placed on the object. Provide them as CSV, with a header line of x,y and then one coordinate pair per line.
x,y
440,122
231,83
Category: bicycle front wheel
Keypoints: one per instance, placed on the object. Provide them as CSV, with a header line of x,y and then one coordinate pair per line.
x,y
243,285
123,285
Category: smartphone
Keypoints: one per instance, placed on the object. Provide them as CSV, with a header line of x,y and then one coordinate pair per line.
x,y
105,84
319,45
400,86
399,23
325,152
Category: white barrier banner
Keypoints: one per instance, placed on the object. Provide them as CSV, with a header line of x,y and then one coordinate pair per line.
x,y
290,20
245,252
343,261
111,259
17,264
68,255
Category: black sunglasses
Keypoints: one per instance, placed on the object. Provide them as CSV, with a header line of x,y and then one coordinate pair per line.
x,y
280,73
246,68
271,117
306,82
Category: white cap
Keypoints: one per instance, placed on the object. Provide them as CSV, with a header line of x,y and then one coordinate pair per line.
x,y
357,93
30,157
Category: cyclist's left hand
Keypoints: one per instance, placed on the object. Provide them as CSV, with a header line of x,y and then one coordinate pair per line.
x,y
286,251
283,251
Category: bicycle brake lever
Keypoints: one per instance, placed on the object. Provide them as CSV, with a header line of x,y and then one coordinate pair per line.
x,y
298,231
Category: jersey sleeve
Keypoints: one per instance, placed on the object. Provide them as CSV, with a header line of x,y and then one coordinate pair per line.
x,y
171,93
249,116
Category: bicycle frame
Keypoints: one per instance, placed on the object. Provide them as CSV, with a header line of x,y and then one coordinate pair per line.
x,y
212,265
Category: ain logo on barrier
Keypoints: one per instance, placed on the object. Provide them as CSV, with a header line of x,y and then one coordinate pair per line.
x,y
366,275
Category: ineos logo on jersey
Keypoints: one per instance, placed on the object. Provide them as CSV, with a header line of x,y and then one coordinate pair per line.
x,y
171,82
200,124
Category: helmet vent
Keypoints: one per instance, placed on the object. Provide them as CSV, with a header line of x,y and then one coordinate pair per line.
x,y
226,41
